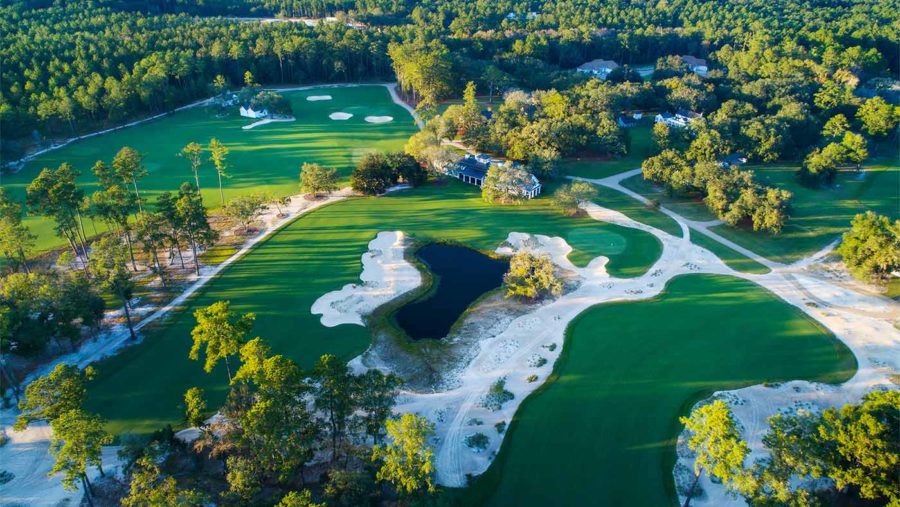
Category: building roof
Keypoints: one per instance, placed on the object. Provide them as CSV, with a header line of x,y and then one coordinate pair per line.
x,y
735,159
596,65
688,114
693,61
473,172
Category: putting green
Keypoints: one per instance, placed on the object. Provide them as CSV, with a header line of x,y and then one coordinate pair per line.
x,y
141,389
266,158
602,431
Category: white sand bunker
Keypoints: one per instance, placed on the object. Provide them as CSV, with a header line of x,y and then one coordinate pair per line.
x,y
386,274
340,116
313,98
267,121
379,119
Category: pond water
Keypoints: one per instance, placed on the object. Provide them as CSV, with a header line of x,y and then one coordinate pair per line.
x,y
460,276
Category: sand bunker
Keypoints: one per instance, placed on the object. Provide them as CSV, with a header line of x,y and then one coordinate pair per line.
x,y
340,116
313,98
379,119
267,121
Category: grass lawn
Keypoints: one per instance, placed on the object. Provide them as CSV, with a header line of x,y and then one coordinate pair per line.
x,y
266,158
602,431
818,215
734,259
141,389
641,145
821,215
613,199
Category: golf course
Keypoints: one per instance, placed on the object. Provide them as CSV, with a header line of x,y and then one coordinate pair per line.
x,y
266,158
281,278
603,428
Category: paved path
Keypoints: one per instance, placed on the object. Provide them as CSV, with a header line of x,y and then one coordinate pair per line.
x,y
703,226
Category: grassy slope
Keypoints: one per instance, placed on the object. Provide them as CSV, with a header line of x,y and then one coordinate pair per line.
x,y
602,431
140,389
641,146
818,215
266,158
735,260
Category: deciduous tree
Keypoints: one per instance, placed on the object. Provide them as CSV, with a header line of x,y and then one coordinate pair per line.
x,y
222,331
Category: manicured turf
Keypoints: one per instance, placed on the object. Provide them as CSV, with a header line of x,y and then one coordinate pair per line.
x,y
821,215
818,215
265,158
735,260
140,389
602,431
635,210
641,144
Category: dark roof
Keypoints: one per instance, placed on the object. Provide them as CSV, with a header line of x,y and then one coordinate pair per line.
x,y
735,159
689,114
471,163
472,172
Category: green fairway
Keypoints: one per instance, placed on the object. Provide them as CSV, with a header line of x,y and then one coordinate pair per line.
x,y
640,147
817,216
602,431
141,389
635,210
734,260
266,158
821,215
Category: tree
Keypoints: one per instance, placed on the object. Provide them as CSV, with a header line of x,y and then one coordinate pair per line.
x,y
878,117
114,204
372,175
715,439
222,331
835,127
315,178
16,240
531,277
54,193
301,499
77,443
218,156
567,198
407,459
855,148
871,248
190,220
110,273
244,478
128,165
194,407
245,209
349,488
148,488
504,185
375,394
821,164
333,396
60,391
193,152
405,168
151,233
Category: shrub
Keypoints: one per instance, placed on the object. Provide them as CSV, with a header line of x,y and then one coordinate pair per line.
x,y
531,277
532,378
497,395
500,426
568,197
477,441
315,178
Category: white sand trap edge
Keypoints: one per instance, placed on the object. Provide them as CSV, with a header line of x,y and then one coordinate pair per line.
x,y
379,119
267,120
340,116
386,274
314,98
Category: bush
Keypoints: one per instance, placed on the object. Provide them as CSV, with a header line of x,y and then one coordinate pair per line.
x,y
500,427
315,178
567,198
477,441
531,277
532,378
497,395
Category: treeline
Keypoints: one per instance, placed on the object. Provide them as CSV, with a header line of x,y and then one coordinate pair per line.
x,y
833,457
68,69
283,435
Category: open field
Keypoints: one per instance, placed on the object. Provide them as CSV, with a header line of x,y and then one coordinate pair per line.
x,y
735,260
818,215
264,159
602,431
140,389
641,145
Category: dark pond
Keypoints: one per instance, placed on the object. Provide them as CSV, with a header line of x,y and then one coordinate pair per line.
x,y
460,276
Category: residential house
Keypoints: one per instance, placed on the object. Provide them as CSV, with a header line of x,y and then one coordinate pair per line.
x,y
249,112
733,160
681,119
598,68
696,65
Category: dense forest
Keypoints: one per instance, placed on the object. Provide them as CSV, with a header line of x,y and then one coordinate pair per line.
x,y
75,66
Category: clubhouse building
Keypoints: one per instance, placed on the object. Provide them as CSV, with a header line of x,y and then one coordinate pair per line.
x,y
472,169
